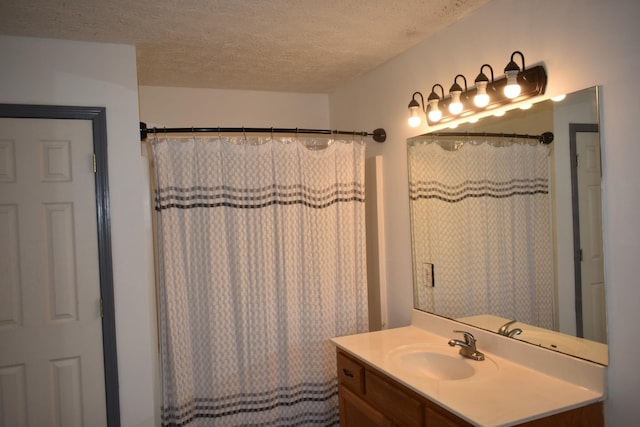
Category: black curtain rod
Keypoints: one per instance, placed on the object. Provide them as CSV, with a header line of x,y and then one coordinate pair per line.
x,y
379,135
543,138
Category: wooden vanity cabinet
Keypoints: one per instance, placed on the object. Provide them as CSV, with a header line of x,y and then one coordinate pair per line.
x,y
369,398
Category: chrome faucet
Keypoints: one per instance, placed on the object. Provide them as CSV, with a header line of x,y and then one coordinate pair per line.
x,y
514,332
504,329
468,346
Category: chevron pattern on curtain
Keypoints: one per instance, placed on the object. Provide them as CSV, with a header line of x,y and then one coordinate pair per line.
x,y
261,260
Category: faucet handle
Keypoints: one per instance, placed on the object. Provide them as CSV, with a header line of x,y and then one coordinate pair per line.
x,y
504,329
468,337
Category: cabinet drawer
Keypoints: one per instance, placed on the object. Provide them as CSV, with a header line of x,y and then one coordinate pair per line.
x,y
405,409
350,373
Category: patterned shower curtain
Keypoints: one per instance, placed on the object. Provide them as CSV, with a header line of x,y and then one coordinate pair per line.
x,y
481,215
261,259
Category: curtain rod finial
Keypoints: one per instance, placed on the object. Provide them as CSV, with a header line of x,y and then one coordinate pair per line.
x,y
380,135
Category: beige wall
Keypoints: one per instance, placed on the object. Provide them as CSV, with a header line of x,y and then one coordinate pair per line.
x,y
185,107
581,43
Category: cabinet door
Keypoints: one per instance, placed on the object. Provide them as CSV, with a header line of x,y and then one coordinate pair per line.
x,y
393,400
438,419
587,416
355,412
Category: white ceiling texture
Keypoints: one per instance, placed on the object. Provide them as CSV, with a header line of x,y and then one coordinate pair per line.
x,y
310,46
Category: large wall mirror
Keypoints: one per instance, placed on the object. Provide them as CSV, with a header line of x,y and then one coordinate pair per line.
x,y
507,231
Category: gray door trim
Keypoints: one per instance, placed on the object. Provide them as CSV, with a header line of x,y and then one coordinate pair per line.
x,y
574,129
98,117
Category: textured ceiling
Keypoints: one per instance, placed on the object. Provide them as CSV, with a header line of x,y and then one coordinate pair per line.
x,y
275,45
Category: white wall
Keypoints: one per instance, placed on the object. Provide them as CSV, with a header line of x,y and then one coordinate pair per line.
x,y
51,72
582,43
186,107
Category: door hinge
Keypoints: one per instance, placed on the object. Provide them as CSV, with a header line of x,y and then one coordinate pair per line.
x,y
101,308
95,167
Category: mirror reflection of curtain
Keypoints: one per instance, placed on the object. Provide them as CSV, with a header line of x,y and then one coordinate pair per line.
x,y
481,216
261,254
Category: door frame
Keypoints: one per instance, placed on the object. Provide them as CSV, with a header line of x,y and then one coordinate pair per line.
x,y
98,117
574,129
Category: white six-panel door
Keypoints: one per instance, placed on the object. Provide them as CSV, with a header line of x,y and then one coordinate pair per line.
x,y
51,358
592,266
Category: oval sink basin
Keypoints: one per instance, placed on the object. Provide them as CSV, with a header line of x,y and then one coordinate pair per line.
x,y
438,362
437,365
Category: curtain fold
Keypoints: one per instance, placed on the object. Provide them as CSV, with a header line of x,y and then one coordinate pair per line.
x,y
481,216
261,259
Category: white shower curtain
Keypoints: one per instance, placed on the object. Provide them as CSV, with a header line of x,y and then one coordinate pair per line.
x,y
481,215
261,259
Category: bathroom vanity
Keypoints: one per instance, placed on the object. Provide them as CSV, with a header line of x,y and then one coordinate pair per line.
x,y
411,377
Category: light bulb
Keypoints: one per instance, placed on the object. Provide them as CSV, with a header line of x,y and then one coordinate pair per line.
x,y
481,99
456,106
558,98
414,110
435,115
499,113
482,81
414,117
512,89
434,112
526,106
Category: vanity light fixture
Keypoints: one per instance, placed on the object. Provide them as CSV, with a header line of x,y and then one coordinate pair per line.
x,y
517,85
482,97
434,111
511,71
415,110
455,106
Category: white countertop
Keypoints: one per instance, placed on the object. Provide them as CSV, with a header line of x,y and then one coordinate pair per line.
x,y
514,393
